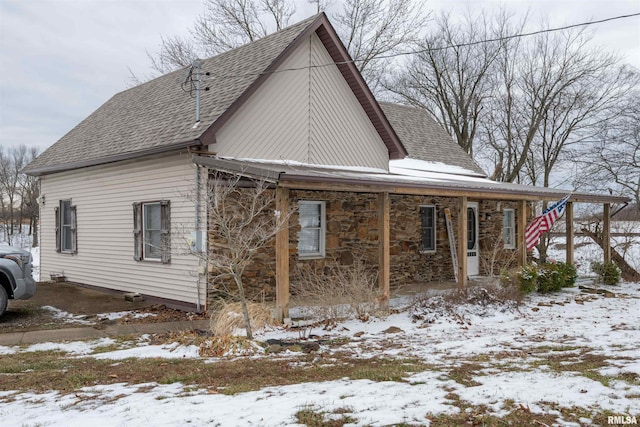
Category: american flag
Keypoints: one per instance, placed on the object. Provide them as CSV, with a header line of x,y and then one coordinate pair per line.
x,y
542,224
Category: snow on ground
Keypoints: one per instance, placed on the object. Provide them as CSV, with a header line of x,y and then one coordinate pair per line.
x,y
66,316
512,352
120,314
511,347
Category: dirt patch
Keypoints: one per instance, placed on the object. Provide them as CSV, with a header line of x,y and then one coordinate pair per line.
x,y
65,305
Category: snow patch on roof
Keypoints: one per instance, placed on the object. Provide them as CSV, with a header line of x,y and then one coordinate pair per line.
x,y
414,167
294,164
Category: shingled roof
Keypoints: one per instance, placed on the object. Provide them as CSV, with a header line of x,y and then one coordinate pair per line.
x,y
158,116
425,139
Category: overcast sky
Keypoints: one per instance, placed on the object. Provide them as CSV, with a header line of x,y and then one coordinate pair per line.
x,y
61,59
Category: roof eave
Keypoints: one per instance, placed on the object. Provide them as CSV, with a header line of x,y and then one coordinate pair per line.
x,y
369,184
532,193
45,170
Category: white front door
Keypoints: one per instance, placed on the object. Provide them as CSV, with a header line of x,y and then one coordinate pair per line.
x,y
473,258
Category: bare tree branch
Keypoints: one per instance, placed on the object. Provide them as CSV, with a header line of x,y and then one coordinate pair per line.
x,y
452,83
242,221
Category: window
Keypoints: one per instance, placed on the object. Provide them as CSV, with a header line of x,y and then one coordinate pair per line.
x,y
152,231
428,220
472,235
66,237
508,229
311,240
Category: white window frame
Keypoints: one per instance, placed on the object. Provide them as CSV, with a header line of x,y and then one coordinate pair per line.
x,y
509,230
146,256
322,229
433,227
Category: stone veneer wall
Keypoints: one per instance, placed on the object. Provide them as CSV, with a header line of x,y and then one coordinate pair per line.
x,y
409,264
493,257
352,233
259,277
351,229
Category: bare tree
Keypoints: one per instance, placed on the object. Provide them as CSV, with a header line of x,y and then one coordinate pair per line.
x,y
242,221
29,192
224,25
449,76
548,89
372,30
11,164
611,162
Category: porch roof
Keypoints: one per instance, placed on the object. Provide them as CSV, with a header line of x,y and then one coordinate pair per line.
x,y
399,180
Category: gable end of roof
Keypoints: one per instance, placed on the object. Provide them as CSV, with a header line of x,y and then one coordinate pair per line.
x,y
327,35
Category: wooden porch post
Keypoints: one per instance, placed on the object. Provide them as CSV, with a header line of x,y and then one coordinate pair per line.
x,y
569,221
282,257
606,232
384,208
521,240
462,242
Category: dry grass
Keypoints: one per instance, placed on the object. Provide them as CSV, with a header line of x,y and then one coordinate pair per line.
x,y
228,318
338,292
460,303
45,371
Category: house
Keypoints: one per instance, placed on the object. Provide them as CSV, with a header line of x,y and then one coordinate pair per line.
x,y
122,190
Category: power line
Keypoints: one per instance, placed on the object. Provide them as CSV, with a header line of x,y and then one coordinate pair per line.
x,y
532,33
434,49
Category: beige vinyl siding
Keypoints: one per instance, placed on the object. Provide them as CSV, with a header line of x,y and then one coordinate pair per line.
x,y
341,133
274,122
103,196
307,115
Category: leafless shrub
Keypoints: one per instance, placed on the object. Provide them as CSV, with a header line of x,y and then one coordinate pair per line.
x,y
227,345
497,256
230,317
460,304
242,220
339,292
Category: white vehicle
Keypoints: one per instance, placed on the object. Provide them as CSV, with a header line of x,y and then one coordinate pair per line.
x,y
15,276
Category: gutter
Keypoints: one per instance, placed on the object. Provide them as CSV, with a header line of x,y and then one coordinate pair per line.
x,y
233,167
466,189
329,182
44,170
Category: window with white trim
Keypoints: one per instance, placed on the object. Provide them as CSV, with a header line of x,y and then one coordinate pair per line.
x,y
509,228
428,227
311,241
152,231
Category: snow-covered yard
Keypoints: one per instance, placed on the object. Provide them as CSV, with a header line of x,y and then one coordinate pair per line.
x,y
573,350
573,356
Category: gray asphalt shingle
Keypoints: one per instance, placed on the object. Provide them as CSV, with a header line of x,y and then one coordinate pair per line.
x,y
159,113
424,138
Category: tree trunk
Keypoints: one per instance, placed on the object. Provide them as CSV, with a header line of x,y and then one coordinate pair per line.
x,y
627,272
34,221
243,303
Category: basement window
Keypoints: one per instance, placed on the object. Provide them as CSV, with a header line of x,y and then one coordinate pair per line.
x,y
311,241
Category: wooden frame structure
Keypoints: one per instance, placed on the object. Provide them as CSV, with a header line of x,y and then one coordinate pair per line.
x,y
383,189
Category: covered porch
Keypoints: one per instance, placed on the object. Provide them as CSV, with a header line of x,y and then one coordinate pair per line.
x,y
380,215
